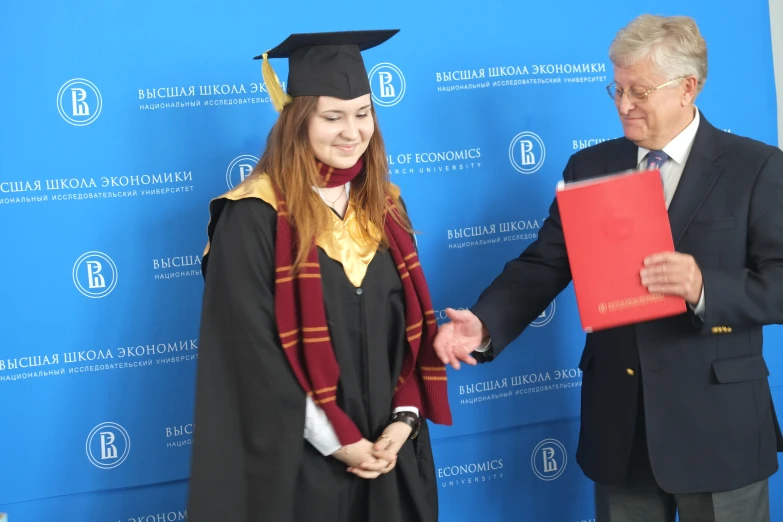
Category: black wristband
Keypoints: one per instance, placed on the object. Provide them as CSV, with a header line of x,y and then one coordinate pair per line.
x,y
409,418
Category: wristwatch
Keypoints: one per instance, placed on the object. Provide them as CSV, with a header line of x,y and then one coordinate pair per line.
x,y
409,418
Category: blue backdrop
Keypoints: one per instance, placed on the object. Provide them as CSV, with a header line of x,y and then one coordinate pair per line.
x,y
140,112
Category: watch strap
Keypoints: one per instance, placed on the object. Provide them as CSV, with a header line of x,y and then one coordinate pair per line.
x,y
409,418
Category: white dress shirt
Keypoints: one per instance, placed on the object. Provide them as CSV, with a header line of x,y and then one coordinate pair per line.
x,y
678,151
318,430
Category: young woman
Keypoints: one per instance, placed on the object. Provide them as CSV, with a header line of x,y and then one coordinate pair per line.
x,y
316,367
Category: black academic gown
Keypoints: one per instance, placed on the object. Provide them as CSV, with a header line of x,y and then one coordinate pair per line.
x,y
250,460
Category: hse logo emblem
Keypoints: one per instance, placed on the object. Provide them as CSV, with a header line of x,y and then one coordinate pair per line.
x,y
527,152
387,83
549,459
95,275
108,445
79,102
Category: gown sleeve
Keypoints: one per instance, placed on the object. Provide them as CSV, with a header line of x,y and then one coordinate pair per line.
x,y
249,409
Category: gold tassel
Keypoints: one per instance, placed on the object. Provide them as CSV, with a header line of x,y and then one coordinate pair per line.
x,y
276,93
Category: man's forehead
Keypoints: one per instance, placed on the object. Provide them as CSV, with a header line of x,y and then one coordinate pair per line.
x,y
641,73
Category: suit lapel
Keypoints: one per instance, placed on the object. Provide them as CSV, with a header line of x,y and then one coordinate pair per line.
x,y
624,159
698,177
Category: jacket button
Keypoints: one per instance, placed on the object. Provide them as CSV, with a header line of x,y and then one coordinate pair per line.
x,y
359,291
629,371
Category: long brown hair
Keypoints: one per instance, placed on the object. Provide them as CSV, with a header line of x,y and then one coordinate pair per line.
x,y
290,163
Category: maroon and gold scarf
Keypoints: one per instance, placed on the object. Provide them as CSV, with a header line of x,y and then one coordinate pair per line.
x,y
304,334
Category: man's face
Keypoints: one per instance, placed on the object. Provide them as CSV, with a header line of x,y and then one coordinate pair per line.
x,y
653,120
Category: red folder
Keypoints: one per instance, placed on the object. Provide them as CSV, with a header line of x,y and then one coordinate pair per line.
x,y
610,225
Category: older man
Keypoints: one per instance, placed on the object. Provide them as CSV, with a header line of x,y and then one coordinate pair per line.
x,y
677,415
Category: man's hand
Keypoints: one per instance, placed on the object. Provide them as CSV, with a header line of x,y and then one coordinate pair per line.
x,y
457,339
673,273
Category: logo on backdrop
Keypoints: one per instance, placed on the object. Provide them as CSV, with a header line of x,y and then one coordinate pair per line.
x,y
493,233
95,274
240,168
549,459
91,188
503,386
176,267
387,83
527,152
79,102
212,95
434,161
520,75
471,473
100,359
545,317
179,436
108,445
583,144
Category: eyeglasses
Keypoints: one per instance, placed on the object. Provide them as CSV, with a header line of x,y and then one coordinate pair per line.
x,y
636,94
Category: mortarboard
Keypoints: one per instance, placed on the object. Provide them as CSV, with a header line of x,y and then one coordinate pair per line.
x,y
322,64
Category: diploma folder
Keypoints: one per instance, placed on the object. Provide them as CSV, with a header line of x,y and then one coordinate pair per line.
x,y
611,223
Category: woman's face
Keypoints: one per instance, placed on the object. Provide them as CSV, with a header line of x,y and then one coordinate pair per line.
x,y
340,130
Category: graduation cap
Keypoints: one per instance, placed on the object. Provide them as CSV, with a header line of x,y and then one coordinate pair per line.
x,y
322,64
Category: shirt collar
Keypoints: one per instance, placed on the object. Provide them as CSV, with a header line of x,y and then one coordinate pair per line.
x,y
679,148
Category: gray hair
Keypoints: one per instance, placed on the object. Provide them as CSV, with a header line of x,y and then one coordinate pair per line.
x,y
672,43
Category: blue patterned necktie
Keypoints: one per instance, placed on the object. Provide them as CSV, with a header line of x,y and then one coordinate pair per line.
x,y
656,159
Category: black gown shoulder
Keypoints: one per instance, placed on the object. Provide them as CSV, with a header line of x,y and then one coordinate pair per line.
x,y
249,416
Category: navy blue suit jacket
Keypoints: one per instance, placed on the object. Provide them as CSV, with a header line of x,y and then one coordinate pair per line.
x,y
710,422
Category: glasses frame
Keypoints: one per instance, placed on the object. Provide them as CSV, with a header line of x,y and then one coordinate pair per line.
x,y
640,97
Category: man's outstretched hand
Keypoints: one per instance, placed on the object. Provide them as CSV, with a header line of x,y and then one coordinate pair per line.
x,y
457,339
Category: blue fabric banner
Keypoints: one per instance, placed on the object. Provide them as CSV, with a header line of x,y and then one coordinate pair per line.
x,y
141,112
